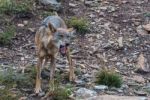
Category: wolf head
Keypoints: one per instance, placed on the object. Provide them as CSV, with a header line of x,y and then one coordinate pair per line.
x,y
61,37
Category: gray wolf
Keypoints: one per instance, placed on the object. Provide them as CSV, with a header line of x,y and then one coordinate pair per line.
x,y
51,38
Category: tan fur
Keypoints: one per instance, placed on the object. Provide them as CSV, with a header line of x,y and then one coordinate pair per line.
x,y
46,49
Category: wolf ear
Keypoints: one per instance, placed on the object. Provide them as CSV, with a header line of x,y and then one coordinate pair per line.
x,y
52,28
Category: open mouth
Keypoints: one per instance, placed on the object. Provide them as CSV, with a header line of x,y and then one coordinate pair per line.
x,y
63,50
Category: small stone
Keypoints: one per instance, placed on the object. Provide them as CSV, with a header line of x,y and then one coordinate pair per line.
x,y
72,5
31,29
23,98
124,86
95,67
80,83
138,79
120,90
85,93
2,87
25,22
100,87
1,31
140,93
88,2
51,4
41,94
103,8
20,25
115,97
111,92
120,41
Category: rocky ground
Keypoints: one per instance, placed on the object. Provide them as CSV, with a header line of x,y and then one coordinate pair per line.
x,y
117,40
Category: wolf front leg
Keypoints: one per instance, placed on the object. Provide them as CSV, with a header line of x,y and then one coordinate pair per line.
x,y
38,76
52,73
71,74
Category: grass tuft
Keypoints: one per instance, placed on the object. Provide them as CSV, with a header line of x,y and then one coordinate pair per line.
x,y
81,25
109,78
12,79
15,6
7,35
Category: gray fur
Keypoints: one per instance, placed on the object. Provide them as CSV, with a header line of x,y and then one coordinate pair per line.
x,y
56,21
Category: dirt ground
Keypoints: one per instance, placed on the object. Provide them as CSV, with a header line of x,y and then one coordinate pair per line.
x,y
109,20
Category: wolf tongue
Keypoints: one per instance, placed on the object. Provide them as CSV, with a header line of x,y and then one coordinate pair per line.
x,y
63,50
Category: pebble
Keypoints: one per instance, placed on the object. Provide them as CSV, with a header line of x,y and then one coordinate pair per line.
x,y
100,87
84,93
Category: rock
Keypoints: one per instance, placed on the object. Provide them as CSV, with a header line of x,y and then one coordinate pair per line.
x,y
120,42
31,29
41,94
100,87
91,3
45,74
25,22
111,93
142,64
1,31
20,25
140,93
138,79
23,98
95,67
141,31
112,9
84,93
114,97
72,5
79,83
147,27
51,4
2,87
124,86
119,90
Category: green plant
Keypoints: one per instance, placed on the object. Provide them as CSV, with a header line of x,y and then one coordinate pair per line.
x,y
6,6
81,25
6,36
11,79
6,94
147,14
109,78
147,90
59,92
15,6
24,6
